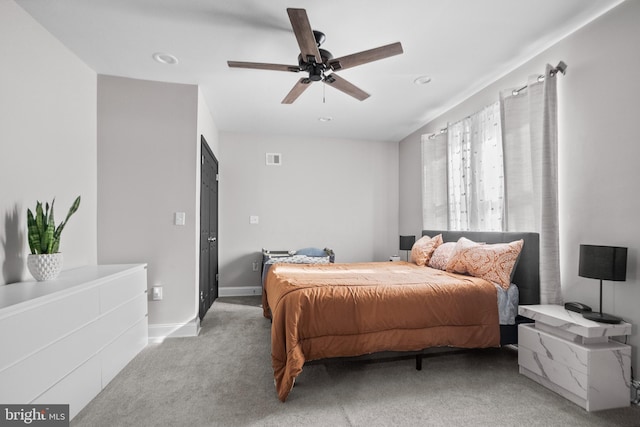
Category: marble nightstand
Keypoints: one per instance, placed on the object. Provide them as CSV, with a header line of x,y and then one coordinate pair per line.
x,y
575,357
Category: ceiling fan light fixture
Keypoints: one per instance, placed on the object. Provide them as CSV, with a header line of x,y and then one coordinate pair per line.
x,y
316,73
319,36
165,58
422,80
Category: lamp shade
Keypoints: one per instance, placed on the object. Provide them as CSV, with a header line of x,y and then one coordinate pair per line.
x,y
603,262
406,242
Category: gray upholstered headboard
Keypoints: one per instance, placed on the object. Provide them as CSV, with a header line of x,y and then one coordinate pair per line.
x,y
527,275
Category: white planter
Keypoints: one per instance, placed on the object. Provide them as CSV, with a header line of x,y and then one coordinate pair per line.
x,y
44,266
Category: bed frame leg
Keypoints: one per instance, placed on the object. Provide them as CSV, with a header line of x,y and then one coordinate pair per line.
x,y
419,362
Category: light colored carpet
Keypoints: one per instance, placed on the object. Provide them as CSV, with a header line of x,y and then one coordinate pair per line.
x,y
224,378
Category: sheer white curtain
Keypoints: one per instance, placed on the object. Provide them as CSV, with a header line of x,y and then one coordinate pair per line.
x,y
434,182
530,140
475,172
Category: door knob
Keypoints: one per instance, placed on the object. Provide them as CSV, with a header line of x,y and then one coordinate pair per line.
x,y
212,239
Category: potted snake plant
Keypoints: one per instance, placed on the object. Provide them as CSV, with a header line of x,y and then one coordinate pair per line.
x,y
45,260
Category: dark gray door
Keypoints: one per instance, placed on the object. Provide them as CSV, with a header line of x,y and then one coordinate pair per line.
x,y
208,229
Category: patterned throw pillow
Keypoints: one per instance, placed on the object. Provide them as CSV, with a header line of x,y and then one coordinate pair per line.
x,y
423,249
494,263
441,255
456,263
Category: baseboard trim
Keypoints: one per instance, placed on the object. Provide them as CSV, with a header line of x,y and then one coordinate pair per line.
x,y
159,332
239,291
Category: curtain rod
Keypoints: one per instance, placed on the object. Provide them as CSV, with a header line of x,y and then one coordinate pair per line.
x,y
433,135
560,68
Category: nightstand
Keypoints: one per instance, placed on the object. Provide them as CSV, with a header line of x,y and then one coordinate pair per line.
x,y
575,357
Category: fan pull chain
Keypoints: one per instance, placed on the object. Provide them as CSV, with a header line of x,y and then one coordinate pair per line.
x,y
324,88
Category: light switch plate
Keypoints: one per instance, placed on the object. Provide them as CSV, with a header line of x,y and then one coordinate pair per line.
x,y
253,219
180,218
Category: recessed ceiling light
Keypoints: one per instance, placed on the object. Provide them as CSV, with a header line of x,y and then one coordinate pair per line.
x,y
325,119
422,80
165,58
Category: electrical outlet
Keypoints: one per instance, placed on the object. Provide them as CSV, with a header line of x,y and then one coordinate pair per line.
x,y
255,265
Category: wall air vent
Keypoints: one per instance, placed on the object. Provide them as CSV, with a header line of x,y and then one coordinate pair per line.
x,y
274,159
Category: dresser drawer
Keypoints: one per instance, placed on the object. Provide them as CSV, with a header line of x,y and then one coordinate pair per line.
x,y
123,349
117,321
49,365
567,353
86,378
122,289
31,330
557,373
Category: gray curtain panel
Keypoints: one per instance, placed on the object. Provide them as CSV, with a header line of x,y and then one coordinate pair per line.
x,y
530,149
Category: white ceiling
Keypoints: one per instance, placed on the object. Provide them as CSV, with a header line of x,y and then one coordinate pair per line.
x,y
462,45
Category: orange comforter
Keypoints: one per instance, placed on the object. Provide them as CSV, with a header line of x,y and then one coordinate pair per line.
x,y
337,310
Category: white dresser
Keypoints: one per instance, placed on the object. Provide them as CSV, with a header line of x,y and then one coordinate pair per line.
x,y
575,357
63,340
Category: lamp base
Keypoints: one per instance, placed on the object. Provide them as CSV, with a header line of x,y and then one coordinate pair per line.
x,y
601,317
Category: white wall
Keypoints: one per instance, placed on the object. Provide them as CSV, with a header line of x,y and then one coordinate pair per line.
x,y
47,141
598,154
335,193
148,169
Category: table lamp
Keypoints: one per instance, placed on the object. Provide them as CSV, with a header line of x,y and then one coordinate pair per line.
x,y
406,243
604,263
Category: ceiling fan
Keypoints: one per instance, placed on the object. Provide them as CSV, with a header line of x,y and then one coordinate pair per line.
x,y
319,63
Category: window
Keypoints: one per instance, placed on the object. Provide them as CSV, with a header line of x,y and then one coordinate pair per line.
x,y
473,185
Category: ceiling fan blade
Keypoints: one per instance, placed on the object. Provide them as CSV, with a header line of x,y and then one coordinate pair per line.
x,y
263,66
297,90
304,34
341,84
366,56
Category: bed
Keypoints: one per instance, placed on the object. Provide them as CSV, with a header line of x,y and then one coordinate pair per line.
x,y
309,255
345,310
